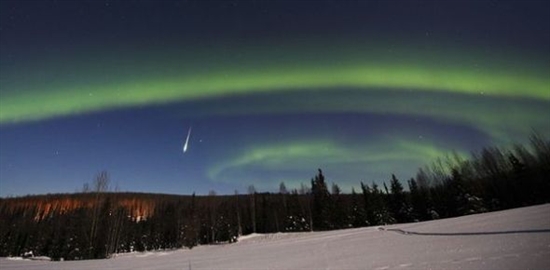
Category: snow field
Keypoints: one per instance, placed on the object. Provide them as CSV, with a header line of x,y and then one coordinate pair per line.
x,y
511,239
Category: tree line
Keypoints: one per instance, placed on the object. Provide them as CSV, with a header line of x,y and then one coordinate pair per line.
x,y
99,222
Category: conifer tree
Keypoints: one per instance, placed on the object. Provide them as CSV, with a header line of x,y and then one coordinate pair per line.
x,y
419,201
321,202
338,209
399,205
357,212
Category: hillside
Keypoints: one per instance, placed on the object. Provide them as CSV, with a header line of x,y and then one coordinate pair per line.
x,y
512,239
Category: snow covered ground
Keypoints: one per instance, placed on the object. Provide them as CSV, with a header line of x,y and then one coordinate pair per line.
x,y
511,239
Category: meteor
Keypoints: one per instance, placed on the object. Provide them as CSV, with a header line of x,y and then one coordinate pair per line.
x,y
187,140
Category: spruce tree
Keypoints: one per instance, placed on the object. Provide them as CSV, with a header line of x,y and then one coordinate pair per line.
x,y
321,203
399,206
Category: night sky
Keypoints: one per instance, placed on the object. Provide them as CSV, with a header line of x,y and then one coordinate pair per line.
x,y
272,90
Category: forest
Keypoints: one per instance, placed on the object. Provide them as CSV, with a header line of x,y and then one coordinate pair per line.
x,y
99,222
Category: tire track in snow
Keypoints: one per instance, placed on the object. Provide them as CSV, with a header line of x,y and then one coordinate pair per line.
x,y
463,233
468,259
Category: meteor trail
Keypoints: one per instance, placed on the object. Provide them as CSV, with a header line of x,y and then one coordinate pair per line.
x,y
187,140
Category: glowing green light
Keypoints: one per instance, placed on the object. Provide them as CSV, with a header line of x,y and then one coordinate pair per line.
x,y
297,155
42,99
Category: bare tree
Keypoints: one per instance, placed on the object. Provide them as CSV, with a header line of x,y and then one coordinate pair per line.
x,y
306,192
252,193
212,207
237,209
115,225
100,185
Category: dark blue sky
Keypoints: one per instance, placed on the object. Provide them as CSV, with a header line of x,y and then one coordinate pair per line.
x,y
273,90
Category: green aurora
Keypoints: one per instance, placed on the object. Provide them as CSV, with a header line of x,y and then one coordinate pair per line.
x,y
122,82
384,155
